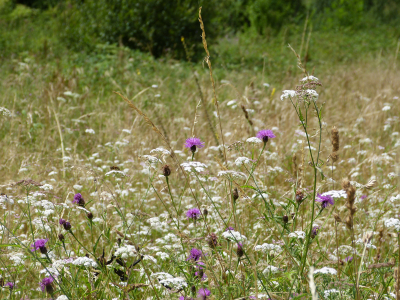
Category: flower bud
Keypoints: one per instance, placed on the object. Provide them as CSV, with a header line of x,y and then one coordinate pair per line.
x,y
166,170
285,219
61,237
89,215
235,194
299,196
67,225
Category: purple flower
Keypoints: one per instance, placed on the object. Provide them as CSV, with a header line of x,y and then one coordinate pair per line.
x,y
78,199
67,226
39,245
10,285
194,142
203,293
265,134
193,213
185,298
62,221
195,254
229,228
46,284
348,259
363,197
325,200
314,231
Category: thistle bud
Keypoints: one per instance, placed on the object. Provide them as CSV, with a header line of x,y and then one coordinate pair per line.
x,y
67,225
205,212
299,196
89,215
235,194
239,250
1,282
166,170
43,250
212,240
285,219
61,237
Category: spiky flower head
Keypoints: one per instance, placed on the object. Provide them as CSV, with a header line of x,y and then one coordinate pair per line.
x,y
67,225
10,285
166,170
265,134
78,199
195,254
193,143
47,284
325,200
203,293
193,213
40,245
239,250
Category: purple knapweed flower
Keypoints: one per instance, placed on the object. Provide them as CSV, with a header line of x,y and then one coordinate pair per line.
x,y
195,254
229,228
47,284
203,293
62,221
39,245
67,225
10,285
363,197
348,259
325,200
314,231
193,213
193,143
265,134
78,199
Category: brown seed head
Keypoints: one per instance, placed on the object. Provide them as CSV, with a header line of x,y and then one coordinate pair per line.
x,y
166,170
337,217
335,139
212,240
235,194
299,196
61,237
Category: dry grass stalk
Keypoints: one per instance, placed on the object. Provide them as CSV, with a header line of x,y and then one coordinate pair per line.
x,y
208,61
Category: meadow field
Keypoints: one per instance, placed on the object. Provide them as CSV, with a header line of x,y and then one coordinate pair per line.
x,y
271,172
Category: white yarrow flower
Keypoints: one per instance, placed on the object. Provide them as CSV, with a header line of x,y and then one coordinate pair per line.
x,y
288,93
326,270
298,234
309,78
393,223
234,236
85,261
243,160
90,131
254,140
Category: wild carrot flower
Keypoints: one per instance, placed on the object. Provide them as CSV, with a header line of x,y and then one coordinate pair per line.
x,y
193,143
265,134
195,254
193,213
325,200
203,293
47,284
40,245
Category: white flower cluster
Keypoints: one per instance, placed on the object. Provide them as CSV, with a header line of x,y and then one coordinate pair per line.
x,y
194,166
326,270
126,251
254,140
170,281
161,151
288,94
270,269
271,248
309,78
234,236
393,223
90,131
115,173
243,160
85,261
232,174
327,293
298,234
5,112
336,194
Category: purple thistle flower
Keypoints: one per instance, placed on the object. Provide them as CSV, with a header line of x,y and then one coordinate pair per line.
x,y
363,197
67,225
46,284
229,228
314,231
10,285
39,245
265,134
203,293
325,200
195,254
348,259
193,213
62,221
194,142
78,199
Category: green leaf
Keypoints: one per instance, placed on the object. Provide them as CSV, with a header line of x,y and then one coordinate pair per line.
x,y
10,245
248,187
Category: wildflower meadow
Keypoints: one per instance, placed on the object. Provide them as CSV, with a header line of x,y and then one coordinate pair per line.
x,y
147,179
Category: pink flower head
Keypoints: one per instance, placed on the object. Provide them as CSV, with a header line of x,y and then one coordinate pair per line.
x,y
46,282
265,134
193,143
203,293
193,213
39,245
325,200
